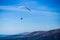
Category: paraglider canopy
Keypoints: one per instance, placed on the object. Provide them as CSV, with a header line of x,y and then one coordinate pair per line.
x,y
25,7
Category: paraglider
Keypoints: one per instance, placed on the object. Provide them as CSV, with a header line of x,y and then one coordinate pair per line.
x,y
24,7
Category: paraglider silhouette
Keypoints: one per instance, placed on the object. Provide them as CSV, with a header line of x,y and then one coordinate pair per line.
x,y
24,7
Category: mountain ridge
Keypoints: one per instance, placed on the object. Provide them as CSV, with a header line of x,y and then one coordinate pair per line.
x,y
37,35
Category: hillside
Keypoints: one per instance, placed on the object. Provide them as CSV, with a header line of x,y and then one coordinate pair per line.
x,y
36,35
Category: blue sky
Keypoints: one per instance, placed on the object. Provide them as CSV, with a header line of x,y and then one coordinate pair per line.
x,y
44,15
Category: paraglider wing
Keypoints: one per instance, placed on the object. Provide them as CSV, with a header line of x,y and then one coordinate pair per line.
x,y
28,9
25,8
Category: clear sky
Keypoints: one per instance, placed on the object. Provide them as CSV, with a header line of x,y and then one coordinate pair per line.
x,y
44,15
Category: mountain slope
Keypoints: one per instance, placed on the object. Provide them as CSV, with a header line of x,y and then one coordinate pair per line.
x,y
37,35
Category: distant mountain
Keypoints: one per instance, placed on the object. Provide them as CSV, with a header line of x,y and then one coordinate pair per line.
x,y
3,35
34,33
37,35
24,33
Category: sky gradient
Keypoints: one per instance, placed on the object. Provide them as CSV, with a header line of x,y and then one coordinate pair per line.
x,y
44,15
